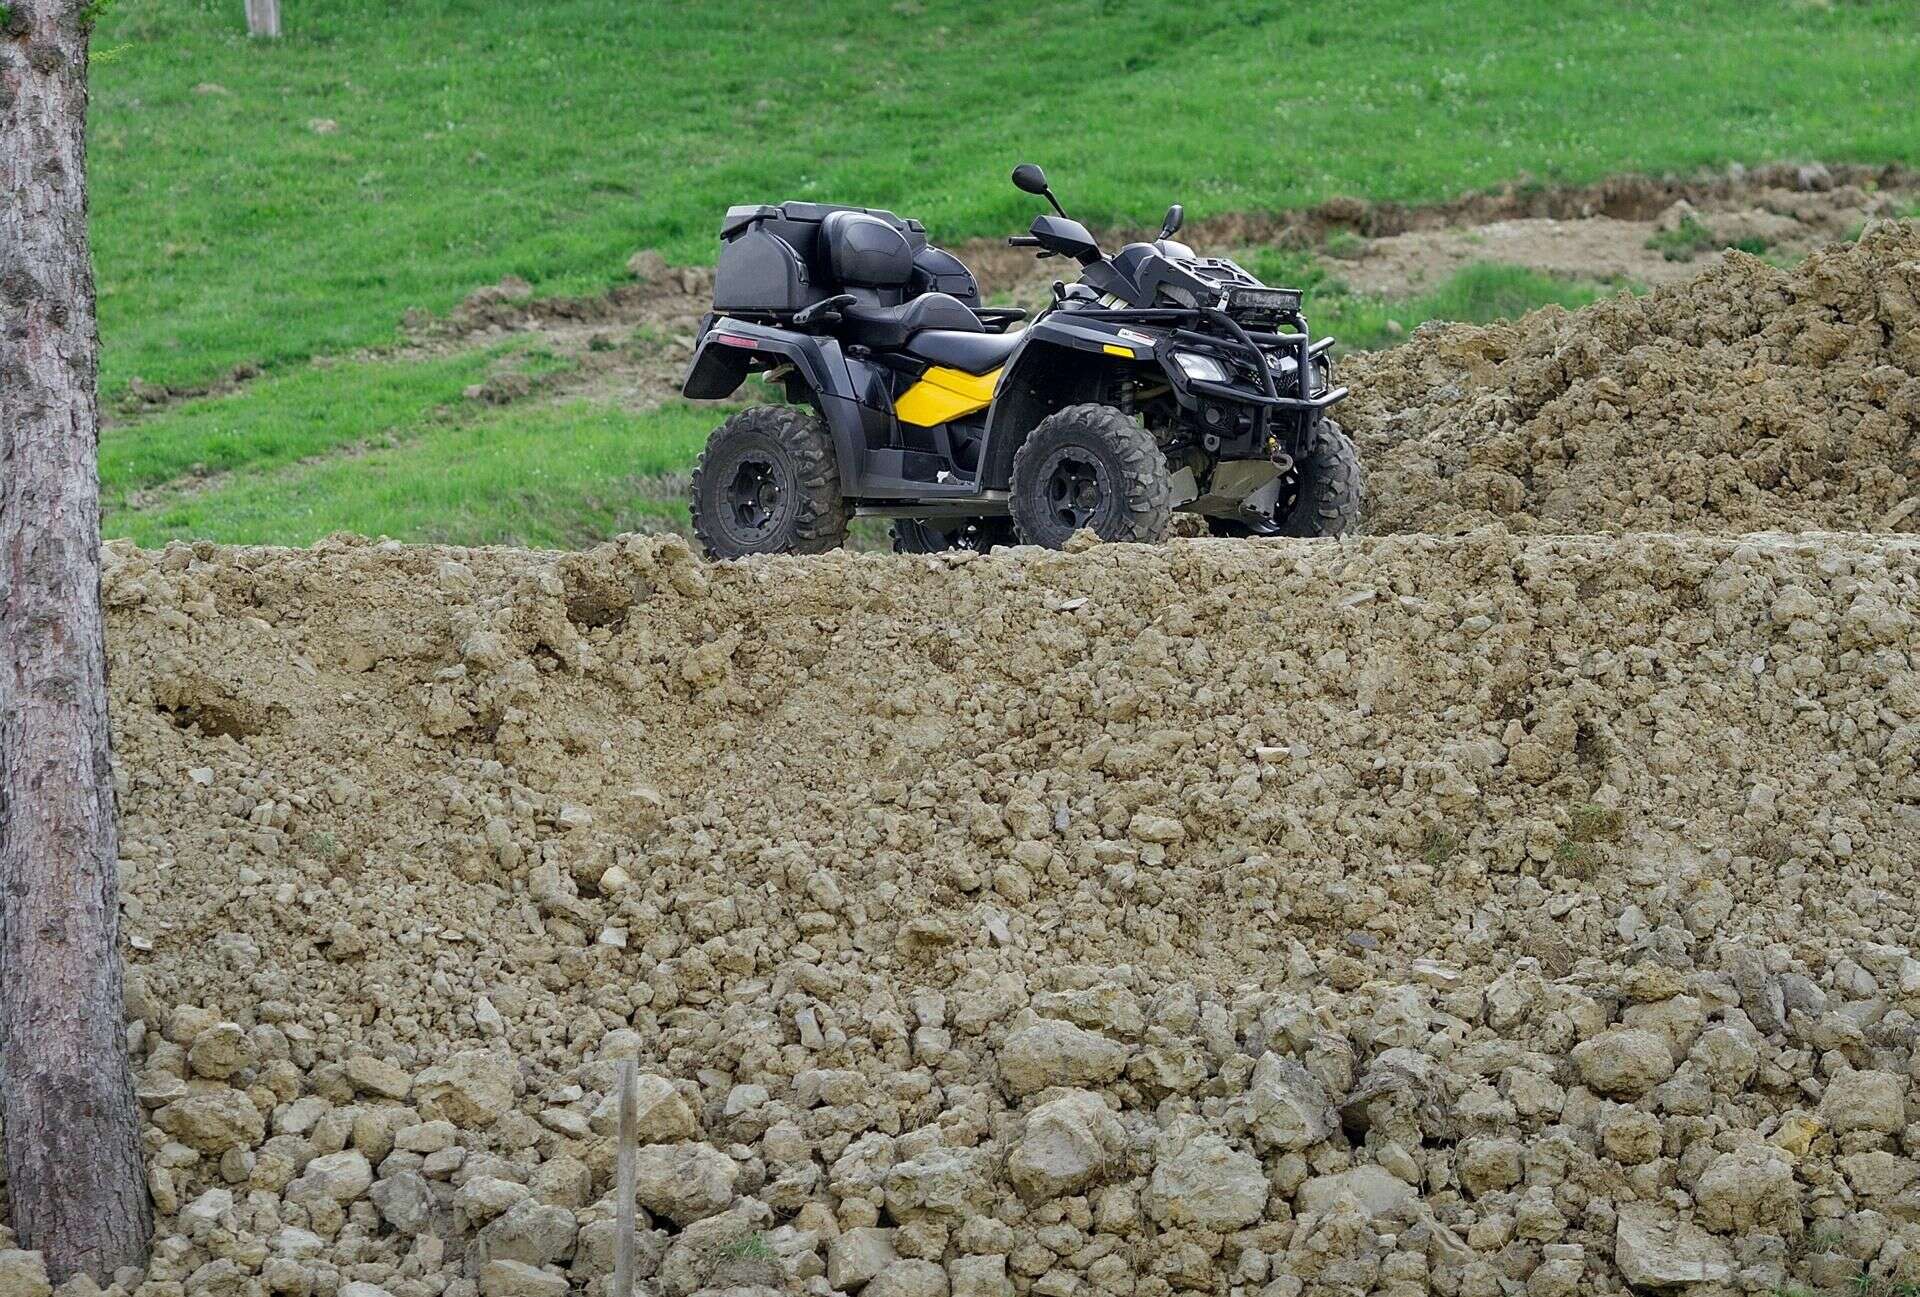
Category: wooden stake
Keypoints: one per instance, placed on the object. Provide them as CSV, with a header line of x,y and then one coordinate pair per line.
x,y
629,1119
263,18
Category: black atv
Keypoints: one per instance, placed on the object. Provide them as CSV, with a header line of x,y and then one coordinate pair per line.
x,y
1160,381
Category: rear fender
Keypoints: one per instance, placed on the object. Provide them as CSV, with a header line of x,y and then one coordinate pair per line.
x,y
731,349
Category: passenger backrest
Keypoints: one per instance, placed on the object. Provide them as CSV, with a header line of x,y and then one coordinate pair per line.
x,y
866,252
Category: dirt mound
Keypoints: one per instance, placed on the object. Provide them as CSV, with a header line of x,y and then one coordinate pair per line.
x,y
1748,399
1403,915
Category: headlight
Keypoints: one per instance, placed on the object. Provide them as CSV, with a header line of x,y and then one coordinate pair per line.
x,y
1201,368
1264,301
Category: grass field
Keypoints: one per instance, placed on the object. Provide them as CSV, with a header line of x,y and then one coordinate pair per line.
x,y
267,204
553,476
475,138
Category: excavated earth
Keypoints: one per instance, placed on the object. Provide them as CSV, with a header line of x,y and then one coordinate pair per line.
x,y
1500,906
1750,398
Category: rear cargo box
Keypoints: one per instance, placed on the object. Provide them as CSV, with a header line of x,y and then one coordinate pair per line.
x,y
772,261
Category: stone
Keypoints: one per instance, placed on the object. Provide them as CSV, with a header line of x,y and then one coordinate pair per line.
x,y
1631,1137
727,1251
1865,1100
1624,1062
595,1245
1747,1189
909,1278
205,1211
220,1277
220,1051
1376,1190
1727,1058
339,1177
187,1021
358,1288
979,1276
473,1089
213,1122
1201,1182
426,1137
684,1182
518,1279
1287,1106
1879,1174
1654,1248
405,1201
1065,1146
378,1077
661,1115
536,1233
941,1184
563,1181
857,1255
1490,1164
23,1274
1051,1052
483,1197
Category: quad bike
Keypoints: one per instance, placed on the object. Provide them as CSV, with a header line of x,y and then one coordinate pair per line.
x,y
1160,381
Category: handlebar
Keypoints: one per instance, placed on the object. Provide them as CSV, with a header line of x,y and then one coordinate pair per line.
x,y
1023,241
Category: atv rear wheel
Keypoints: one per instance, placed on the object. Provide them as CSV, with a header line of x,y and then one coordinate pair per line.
x,y
768,483
927,536
1090,466
1329,494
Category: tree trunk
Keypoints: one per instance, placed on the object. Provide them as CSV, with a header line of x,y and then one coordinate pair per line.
x,y
74,1170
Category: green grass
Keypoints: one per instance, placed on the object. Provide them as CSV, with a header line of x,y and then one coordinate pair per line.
x,y
280,419
477,138
1689,238
1476,294
563,475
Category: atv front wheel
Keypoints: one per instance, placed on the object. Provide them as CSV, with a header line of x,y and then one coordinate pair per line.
x,y
927,536
1333,488
1329,494
1090,466
768,483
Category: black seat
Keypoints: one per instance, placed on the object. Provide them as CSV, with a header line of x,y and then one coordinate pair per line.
x,y
889,327
972,351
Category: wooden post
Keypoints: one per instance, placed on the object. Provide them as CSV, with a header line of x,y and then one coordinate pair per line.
x,y
623,1243
263,18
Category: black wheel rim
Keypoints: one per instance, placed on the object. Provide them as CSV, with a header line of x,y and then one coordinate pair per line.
x,y
1076,488
973,534
753,497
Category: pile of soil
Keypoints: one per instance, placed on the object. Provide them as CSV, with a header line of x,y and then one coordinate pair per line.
x,y
1748,399
1468,910
1403,915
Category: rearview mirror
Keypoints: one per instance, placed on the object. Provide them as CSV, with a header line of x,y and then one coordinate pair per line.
x,y
1176,215
1030,178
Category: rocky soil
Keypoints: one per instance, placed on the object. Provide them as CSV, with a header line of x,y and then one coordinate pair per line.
x,y
1414,914
1750,398
1472,910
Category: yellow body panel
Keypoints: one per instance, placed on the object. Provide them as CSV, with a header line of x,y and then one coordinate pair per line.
x,y
943,394
1112,350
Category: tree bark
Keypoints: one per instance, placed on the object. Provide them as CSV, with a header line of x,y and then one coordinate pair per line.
x,y
72,1146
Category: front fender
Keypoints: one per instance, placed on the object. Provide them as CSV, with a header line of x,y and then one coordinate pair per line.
x,y
1061,361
